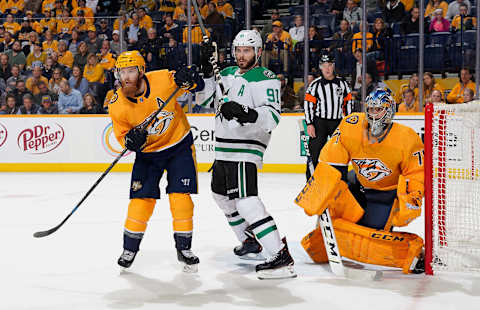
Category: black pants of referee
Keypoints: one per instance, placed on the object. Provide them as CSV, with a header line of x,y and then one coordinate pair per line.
x,y
323,129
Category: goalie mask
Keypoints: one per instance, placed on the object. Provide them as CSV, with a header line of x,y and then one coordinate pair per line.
x,y
248,38
380,110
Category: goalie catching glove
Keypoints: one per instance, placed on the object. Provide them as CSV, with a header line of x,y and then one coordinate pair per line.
x,y
207,51
135,139
241,113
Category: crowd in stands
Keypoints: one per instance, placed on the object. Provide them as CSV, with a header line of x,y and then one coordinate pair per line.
x,y
57,56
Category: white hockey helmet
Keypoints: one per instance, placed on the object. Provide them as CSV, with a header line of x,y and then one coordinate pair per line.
x,y
247,38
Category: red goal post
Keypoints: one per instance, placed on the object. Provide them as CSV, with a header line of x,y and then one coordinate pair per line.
x,y
452,187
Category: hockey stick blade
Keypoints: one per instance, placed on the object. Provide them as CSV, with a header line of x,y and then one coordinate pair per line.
x,y
41,234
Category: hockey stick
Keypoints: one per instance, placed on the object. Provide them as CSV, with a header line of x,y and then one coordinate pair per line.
x,y
214,58
330,240
143,125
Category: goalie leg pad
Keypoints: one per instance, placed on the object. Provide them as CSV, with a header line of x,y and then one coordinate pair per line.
x,y
235,220
320,188
181,207
378,247
315,247
139,212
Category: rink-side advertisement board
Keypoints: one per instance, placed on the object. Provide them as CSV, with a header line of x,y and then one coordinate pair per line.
x,y
87,143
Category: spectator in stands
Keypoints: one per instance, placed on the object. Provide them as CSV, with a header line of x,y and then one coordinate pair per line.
x,y
10,25
80,58
94,43
338,6
465,81
356,75
48,23
412,84
107,61
10,106
268,28
5,68
203,6
453,8
197,36
116,46
288,97
28,46
44,91
87,12
409,104
32,82
180,12
429,84
297,32
436,97
167,6
56,64
381,33
225,9
16,55
77,81
216,22
357,40
74,42
320,7
411,22
341,46
175,55
12,80
47,106
54,83
134,33
277,46
394,11
19,91
104,32
151,49
468,95
28,106
123,17
438,23
36,58
65,57
352,13
49,45
65,25
370,83
469,22
301,91
95,76
90,105
47,70
8,41
70,100
25,29
436,4
170,29
144,20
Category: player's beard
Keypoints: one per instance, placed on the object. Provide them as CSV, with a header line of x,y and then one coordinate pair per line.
x,y
131,89
247,65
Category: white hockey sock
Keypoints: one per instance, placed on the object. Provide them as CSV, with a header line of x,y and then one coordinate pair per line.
x,y
235,220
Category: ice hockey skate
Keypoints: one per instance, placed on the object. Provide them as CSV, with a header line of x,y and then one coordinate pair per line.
x,y
126,259
279,266
250,249
188,260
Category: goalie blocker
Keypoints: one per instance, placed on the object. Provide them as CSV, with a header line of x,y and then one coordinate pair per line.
x,y
368,245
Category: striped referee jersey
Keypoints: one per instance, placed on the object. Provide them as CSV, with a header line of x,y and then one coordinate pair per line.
x,y
327,99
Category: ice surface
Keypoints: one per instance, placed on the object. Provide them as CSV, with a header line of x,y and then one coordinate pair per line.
x,y
75,268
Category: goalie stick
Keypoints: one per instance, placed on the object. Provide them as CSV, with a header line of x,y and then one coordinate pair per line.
x,y
324,220
143,125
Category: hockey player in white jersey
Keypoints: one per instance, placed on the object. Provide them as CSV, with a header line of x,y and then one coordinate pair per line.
x,y
246,114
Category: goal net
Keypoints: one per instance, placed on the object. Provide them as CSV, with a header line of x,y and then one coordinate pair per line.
x,y
452,187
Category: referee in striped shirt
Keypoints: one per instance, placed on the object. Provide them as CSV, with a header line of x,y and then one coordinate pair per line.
x,y
327,100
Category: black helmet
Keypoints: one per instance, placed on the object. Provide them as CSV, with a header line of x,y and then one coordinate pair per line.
x,y
326,57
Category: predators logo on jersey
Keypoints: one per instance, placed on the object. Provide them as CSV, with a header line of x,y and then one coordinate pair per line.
x,y
371,169
161,123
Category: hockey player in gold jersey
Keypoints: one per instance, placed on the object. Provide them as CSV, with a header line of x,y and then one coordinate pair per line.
x,y
165,145
384,190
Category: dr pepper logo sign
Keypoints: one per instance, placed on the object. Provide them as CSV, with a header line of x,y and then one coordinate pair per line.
x,y
3,135
41,138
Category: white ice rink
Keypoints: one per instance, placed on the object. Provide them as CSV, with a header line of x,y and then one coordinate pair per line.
x,y
75,268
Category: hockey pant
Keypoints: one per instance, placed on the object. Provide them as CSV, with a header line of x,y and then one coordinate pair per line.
x,y
140,210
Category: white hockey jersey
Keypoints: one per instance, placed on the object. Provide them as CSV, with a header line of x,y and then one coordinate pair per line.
x,y
257,88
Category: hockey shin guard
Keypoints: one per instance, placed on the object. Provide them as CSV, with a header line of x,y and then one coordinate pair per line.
x,y
139,212
236,222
